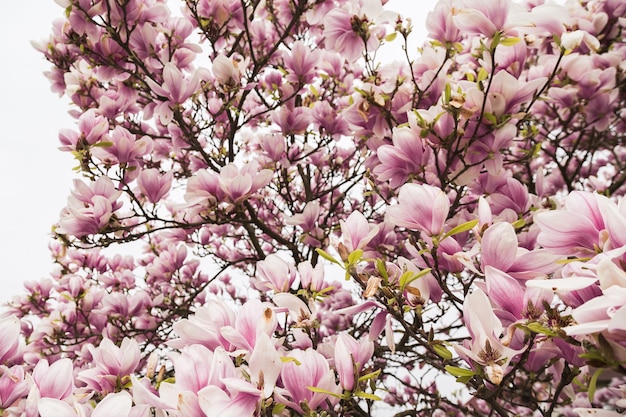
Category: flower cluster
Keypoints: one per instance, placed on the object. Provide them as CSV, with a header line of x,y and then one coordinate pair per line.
x,y
313,232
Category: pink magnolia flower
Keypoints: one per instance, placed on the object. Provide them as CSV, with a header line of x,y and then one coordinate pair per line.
x,y
92,128
606,312
254,318
500,250
238,183
264,365
308,368
89,208
328,119
407,156
154,185
572,40
56,380
274,274
340,36
114,404
485,347
440,25
421,207
350,358
9,339
13,386
110,364
505,96
204,327
482,17
312,278
292,120
239,398
573,230
225,71
124,147
197,367
204,188
356,232
176,88
308,218
300,63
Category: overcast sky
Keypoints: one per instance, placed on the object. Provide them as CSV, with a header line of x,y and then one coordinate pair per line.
x,y
35,177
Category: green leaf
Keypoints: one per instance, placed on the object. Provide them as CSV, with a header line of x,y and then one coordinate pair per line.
x,y
367,396
519,223
103,144
459,372
539,328
285,359
323,391
509,41
371,375
382,269
591,391
482,75
325,290
391,36
420,120
491,118
464,379
408,277
355,256
326,256
448,93
496,40
278,408
567,261
442,351
464,227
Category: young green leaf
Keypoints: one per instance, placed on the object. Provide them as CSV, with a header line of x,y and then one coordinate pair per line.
x,y
442,351
464,227
367,396
326,256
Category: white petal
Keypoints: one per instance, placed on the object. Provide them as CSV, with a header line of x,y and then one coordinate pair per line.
x,y
562,284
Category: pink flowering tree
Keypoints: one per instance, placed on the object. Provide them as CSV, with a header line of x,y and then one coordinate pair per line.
x,y
272,221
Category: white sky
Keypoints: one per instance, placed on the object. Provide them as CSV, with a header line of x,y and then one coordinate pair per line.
x,y
35,177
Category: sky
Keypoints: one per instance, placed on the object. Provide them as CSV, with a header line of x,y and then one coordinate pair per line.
x,y
35,177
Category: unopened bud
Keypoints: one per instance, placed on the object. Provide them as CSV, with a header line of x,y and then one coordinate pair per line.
x,y
343,252
494,373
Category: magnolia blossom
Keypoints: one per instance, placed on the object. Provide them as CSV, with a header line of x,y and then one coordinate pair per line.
x,y
118,404
89,208
350,358
56,380
301,63
420,207
274,274
153,185
356,232
303,370
482,18
444,180
9,339
111,364
485,347
122,147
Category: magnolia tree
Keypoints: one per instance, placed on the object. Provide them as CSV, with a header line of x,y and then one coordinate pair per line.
x,y
271,221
